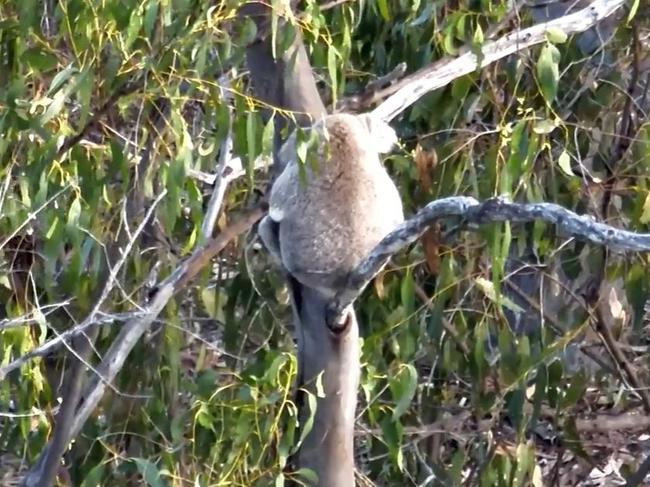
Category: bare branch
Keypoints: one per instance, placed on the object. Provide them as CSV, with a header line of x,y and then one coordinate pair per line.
x,y
90,321
470,210
133,330
221,179
32,216
233,170
130,334
66,337
413,87
33,316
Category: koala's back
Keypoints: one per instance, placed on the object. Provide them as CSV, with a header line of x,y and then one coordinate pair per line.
x,y
342,210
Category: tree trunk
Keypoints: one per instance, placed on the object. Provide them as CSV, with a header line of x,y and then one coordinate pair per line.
x,y
288,83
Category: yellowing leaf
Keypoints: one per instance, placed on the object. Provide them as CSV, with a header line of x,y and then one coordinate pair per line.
x,y
645,216
478,35
545,126
556,35
487,287
633,9
564,161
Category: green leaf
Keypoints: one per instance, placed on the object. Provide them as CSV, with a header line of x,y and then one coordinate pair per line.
x,y
272,373
332,55
54,108
150,15
548,72
448,43
488,289
248,32
275,5
403,388
204,418
39,60
525,462
251,136
309,420
209,300
575,391
407,291
135,24
645,216
307,474
94,477
545,126
383,9
478,35
392,436
149,471
74,211
267,136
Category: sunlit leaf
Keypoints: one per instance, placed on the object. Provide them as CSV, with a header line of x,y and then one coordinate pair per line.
x,y
555,35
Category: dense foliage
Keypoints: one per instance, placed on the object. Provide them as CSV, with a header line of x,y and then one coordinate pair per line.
x,y
478,344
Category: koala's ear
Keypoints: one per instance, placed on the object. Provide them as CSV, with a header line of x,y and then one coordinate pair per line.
x,y
382,135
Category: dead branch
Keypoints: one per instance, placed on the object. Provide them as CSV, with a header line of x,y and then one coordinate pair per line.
x,y
221,178
114,359
192,266
602,423
411,88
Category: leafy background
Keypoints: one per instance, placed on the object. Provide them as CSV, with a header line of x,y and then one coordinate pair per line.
x,y
483,352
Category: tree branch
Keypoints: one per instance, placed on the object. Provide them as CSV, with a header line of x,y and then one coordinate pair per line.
x,y
221,179
470,210
411,88
133,329
91,320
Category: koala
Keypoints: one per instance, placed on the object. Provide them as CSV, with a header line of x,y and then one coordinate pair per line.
x,y
324,220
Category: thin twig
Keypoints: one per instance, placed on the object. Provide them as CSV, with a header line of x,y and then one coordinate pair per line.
x,y
33,316
32,216
616,353
332,4
449,327
132,331
232,172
